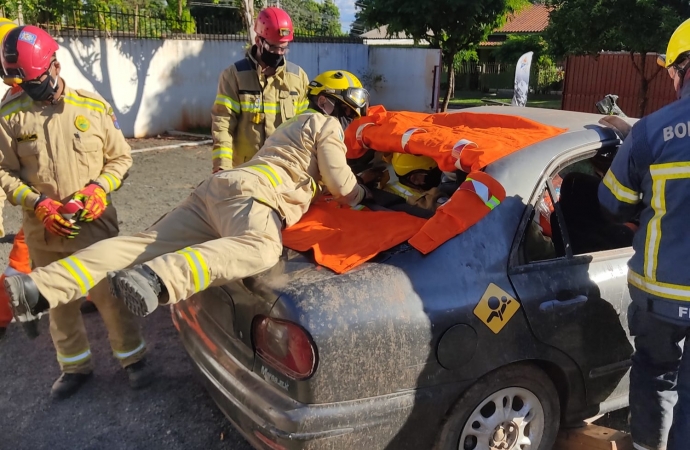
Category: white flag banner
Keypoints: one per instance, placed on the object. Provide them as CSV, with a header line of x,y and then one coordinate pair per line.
x,y
521,87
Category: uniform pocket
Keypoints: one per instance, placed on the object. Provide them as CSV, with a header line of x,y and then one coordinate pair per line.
x,y
89,153
35,164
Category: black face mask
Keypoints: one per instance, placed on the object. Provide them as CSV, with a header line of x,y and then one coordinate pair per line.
x,y
42,92
271,59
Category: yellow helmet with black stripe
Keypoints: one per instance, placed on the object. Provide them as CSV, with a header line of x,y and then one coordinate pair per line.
x,y
342,86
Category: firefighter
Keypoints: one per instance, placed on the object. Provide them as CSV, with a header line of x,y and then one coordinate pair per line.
x,y
418,180
650,178
61,144
229,228
257,93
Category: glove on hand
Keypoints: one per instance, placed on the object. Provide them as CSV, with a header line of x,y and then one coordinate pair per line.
x,y
47,212
94,199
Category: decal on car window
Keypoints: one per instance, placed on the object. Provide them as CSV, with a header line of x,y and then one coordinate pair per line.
x,y
496,308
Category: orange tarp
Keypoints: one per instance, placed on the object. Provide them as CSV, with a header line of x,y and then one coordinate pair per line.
x,y
490,136
19,260
343,238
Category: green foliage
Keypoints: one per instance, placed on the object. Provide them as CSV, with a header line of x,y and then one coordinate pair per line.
x,y
464,56
311,18
590,26
517,45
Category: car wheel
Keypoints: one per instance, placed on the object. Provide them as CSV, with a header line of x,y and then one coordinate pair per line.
x,y
513,408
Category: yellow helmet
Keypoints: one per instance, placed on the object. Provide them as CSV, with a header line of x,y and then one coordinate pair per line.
x,y
677,45
404,163
5,26
343,86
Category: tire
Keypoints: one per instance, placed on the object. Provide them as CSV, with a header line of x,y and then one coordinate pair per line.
x,y
522,387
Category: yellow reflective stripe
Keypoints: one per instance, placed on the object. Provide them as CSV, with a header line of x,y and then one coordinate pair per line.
x,y
665,290
493,202
78,272
222,152
84,102
114,182
19,195
224,100
74,359
253,107
250,107
270,173
653,239
124,355
198,267
401,190
302,106
271,108
15,107
622,193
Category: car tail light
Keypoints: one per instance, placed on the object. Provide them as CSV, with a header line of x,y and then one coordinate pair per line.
x,y
285,346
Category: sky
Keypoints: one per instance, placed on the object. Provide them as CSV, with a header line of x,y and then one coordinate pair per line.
x,y
347,13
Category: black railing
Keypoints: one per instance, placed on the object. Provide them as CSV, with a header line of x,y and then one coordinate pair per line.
x,y
163,24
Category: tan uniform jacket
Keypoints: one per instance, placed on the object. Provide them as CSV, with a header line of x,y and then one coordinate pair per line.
x,y
55,150
303,155
430,200
250,106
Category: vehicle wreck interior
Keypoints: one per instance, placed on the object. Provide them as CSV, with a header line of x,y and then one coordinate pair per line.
x,y
568,211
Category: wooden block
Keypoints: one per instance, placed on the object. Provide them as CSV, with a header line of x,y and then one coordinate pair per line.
x,y
593,437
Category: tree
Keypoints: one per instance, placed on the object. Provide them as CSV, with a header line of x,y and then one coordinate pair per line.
x,y
312,18
515,46
451,25
587,27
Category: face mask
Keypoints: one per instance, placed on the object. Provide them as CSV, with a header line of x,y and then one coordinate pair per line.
x,y
271,59
42,92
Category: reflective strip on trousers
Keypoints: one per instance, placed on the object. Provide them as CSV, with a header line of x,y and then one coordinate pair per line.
x,y
268,172
198,267
125,355
78,272
75,359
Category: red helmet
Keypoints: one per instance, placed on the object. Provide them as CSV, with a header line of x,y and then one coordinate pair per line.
x,y
274,24
27,52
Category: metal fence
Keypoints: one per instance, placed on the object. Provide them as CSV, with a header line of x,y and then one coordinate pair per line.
x,y
127,23
487,76
591,78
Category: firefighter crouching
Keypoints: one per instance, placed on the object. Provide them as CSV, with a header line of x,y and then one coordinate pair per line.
x,y
61,144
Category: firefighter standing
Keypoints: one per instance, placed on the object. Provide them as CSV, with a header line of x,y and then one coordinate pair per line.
x,y
257,93
229,228
61,144
650,176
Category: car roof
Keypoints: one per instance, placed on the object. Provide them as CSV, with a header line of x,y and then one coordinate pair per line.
x,y
519,171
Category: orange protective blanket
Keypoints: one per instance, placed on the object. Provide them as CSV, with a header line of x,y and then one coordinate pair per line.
x,y
19,260
435,135
343,238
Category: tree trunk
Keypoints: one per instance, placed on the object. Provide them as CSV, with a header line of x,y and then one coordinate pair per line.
x,y
136,20
249,19
451,82
179,9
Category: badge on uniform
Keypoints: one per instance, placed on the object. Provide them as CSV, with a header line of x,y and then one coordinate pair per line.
x,y
111,113
82,123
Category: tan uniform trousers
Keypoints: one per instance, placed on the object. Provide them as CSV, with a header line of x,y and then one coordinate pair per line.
x,y
219,234
67,327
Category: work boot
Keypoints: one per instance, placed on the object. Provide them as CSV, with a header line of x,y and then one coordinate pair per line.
x,y
68,384
88,307
26,302
140,375
139,287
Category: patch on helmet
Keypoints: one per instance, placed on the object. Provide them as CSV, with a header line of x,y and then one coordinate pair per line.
x,y
285,32
82,123
27,37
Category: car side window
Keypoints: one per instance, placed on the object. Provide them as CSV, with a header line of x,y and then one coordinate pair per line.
x,y
567,219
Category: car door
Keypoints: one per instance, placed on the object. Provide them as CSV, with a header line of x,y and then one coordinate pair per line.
x,y
576,303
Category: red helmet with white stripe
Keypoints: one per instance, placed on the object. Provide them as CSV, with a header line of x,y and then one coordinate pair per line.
x,y
274,25
27,53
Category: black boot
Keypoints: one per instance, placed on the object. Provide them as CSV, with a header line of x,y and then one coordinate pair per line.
x,y
140,375
26,302
88,307
139,287
68,384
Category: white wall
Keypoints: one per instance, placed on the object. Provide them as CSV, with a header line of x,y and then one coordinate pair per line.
x,y
158,85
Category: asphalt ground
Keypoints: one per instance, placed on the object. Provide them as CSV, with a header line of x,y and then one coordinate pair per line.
x,y
173,413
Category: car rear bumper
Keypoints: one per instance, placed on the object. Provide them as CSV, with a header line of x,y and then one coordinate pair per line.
x,y
257,408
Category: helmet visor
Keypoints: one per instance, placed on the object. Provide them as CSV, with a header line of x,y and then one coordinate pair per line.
x,y
357,98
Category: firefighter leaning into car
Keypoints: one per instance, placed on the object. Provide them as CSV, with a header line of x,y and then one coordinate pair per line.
x,y
61,144
650,176
257,93
229,228
418,180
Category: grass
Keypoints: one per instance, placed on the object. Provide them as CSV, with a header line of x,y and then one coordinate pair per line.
x,y
468,99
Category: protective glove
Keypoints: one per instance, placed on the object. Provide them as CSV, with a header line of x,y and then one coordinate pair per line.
x,y
46,210
93,197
